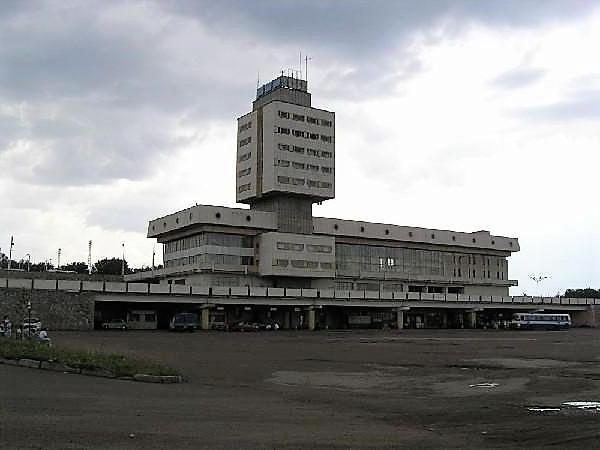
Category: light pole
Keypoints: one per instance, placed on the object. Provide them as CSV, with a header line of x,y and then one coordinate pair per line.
x,y
28,261
12,243
538,279
58,260
29,318
123,261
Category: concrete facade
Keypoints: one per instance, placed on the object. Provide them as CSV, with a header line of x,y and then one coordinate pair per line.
x,y
286,162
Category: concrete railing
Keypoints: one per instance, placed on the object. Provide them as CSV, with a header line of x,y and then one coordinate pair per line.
x,y
112,287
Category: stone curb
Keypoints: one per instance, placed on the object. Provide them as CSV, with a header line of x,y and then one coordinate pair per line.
x,y
59,367
166,379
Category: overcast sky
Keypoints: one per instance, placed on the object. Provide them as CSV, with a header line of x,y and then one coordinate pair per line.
x,y
462,115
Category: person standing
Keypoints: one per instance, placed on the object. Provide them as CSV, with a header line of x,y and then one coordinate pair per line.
x,y
7,326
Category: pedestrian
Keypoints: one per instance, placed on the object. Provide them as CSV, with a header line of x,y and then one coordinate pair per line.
x,y
43,337
7,326
19,332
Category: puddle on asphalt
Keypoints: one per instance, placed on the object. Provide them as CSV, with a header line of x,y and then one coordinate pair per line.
x,y
568,408
484,385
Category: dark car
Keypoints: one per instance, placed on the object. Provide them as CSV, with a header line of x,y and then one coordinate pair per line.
x,y
245,326
115,324
184,322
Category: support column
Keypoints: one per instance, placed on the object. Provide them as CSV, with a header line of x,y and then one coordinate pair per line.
x,y
311,319
400,319
444,319
472,319
205,319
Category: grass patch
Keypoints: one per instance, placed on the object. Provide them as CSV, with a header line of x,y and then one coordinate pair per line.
x,y
118,364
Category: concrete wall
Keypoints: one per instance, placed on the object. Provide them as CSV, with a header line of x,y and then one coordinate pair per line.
x,y
269,253
58,310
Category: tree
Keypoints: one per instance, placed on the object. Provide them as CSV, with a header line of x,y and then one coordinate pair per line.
x,y
583,293
111,266
79,267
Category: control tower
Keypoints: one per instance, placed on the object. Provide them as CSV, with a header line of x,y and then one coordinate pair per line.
x,y
286,154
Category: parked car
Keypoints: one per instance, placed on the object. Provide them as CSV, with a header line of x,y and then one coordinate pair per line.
x,y
184,322
115,324
245,326
34,324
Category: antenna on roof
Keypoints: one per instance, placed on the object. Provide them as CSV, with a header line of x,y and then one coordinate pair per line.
x,y
300,64
306,60
257,79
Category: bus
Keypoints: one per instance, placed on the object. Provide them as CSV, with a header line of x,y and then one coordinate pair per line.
x,y
538,321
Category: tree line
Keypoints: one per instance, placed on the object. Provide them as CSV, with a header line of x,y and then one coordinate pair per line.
x,y
106,266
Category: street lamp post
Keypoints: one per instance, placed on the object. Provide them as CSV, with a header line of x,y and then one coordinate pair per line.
x,y
28,261
29,318
123,261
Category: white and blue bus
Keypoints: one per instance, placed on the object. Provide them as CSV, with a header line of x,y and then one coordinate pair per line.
x,y
538,321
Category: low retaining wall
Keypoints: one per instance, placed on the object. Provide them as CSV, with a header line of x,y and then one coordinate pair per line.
x,y
58,310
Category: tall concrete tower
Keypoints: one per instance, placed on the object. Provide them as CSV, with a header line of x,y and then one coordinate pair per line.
x,y
286,154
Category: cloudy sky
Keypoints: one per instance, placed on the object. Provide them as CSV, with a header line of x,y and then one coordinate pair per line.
x,y
461,115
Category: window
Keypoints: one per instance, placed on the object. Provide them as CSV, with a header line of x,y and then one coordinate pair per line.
x,y
152,317
282,163
298,181
284,147
298,133
298,149
298,117
283,114
325,185
244,172
327,139
245,157
312,167
282,130
326,154
312,183
326,123
290,246
326,169
313,136
312,264
312,152
298,263
297,165
311,119
319,248
245,126
245,141
244,187
283,180
326,266
280,262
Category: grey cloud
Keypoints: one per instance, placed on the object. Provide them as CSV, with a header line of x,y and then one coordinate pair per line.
x,y
106,84
518,78
583,105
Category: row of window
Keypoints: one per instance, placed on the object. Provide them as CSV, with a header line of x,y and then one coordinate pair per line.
x,y
293,246
302,150
208,238
304,134
245,141
209,258
244,157
352,259
244,187
302,182
245,126
301,118
302,166
302,264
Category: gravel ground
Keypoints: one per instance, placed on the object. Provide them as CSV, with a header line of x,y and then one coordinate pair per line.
x,y
359,389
